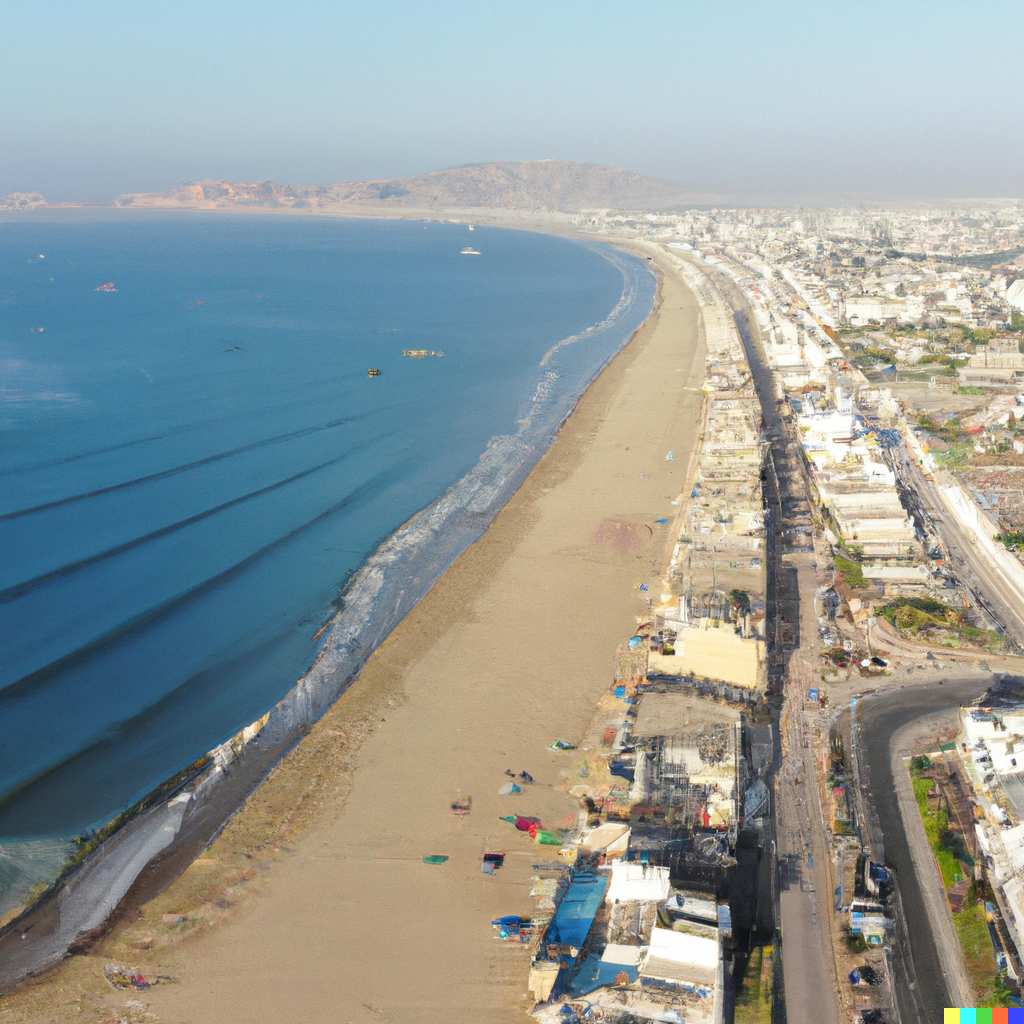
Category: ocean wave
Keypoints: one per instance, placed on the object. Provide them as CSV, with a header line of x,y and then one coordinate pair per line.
x,y
185,467
380,594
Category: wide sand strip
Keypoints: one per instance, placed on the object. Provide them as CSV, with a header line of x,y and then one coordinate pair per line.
x,y
510,650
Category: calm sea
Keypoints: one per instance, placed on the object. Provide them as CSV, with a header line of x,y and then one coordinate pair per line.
x,y
194,466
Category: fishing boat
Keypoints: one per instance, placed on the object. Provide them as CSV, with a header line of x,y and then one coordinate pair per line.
x,y
108,287
373,372
470,251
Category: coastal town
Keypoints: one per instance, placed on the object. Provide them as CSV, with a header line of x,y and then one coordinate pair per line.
x,y
894,371
846,536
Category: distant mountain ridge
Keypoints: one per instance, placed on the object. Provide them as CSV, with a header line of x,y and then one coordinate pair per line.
x,y
558,185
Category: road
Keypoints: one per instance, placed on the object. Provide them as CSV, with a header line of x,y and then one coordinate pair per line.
x,y
920,987
807,885
975,572
805,900
954,974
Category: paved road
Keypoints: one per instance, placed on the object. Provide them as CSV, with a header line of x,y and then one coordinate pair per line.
x,y
921,988
954,974
981,579
805,898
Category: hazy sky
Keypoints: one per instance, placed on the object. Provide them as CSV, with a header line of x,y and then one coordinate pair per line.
x,y
769,100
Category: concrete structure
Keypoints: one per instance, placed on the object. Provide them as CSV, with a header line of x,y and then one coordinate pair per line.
x,y
999,362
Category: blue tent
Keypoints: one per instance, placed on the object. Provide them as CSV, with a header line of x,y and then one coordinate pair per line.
x,y
576,912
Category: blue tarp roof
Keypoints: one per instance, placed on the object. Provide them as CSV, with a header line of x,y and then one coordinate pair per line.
x,y
576,912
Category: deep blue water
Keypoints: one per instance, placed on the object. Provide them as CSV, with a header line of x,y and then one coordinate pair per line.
x,y
192,467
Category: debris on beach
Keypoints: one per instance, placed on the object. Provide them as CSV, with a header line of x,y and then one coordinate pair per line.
x,y
463,806
491,862
508,789
512,928
526,777
435,858
174,918
670,457
122,976
561,745
521,822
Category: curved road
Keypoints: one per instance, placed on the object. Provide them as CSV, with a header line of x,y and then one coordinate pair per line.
x,y
880,717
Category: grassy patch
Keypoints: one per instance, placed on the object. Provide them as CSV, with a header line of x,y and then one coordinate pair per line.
x,y
851,571
935,623
936,827
979,957
754,998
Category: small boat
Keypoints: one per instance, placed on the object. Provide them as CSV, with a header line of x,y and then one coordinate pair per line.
x,y
372,372
422,353
108,287
470,251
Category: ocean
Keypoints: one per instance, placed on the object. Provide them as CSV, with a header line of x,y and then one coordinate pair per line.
x,y
197,473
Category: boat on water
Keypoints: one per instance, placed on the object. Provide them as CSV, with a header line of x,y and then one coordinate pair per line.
x,y
422,353
108,287
373,372
470,251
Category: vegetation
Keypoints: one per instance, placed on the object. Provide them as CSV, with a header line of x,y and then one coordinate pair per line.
x,y
754,998
938,360
954,864
969,389
1016,321
851,572
1010,540
933,622
971,925
936,827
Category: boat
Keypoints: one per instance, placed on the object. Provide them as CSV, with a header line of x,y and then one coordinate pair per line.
x,y
373,372
422,353
470,251
108,287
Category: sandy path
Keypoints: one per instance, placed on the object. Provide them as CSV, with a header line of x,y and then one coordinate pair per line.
x,y
510,650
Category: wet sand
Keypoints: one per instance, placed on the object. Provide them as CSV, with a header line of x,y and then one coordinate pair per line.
x,y
510,650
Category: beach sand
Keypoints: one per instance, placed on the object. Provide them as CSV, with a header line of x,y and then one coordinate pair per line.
x,y
509,651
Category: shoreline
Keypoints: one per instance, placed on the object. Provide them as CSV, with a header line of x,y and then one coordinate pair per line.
x,y
84,896
411,640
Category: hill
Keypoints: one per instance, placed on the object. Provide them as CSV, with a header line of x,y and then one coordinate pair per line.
x,y
535,185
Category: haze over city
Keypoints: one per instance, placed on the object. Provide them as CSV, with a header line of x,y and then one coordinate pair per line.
x,y
765,103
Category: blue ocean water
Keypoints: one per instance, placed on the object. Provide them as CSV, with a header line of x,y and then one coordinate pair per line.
x,y
195,466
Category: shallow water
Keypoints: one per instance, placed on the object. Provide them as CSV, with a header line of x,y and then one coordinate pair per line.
x,y
193,467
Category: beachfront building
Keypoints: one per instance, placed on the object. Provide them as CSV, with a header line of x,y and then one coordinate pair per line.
x,y
991,753
653,952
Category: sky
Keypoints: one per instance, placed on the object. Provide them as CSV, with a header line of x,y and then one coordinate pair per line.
x,y
789,102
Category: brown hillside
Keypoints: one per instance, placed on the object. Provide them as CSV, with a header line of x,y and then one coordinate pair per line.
x,y
537,185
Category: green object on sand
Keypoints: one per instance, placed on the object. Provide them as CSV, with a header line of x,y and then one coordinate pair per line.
x,y
547,839
434,858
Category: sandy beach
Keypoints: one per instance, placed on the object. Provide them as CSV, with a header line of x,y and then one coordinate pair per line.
x,y
509,651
